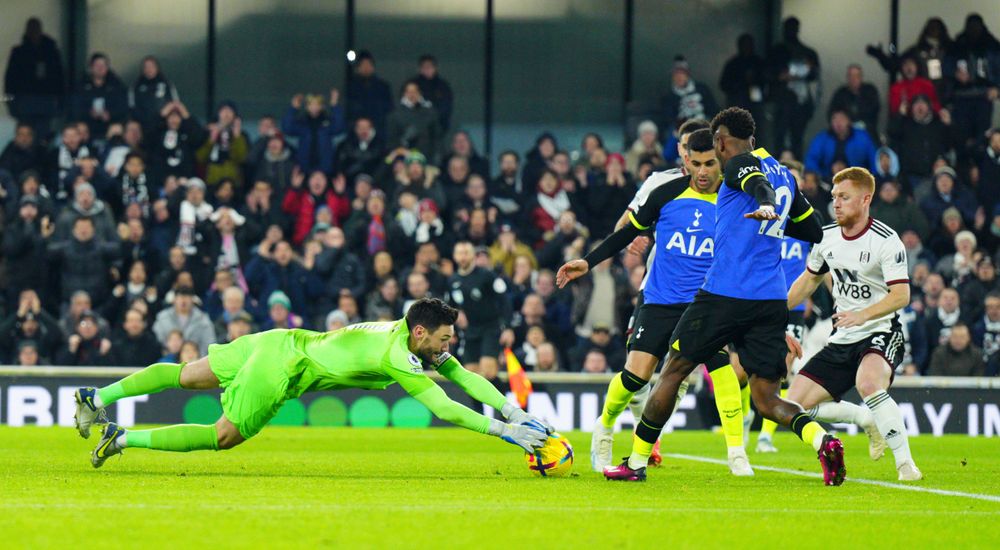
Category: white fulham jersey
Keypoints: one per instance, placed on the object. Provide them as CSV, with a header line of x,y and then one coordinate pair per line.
x,y
863,268
653,181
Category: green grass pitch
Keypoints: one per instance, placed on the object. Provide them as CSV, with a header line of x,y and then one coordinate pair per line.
x,y
441,488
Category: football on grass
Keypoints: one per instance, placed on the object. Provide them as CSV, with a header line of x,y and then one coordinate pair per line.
x,y
555,459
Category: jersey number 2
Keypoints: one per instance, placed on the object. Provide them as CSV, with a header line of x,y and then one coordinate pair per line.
x,y
783,198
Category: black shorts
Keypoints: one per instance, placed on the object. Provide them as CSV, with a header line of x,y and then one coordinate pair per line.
x,y
640,299
835,367
482,341
796,324
756,328
654,325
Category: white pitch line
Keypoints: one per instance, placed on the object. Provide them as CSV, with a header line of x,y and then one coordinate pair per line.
x,y
916,488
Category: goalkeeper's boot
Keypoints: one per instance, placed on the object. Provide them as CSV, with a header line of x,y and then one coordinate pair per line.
x,y
622,472
876,443
908,471
766,445
601,446
655,458
739,463
108,445
87,413
831,457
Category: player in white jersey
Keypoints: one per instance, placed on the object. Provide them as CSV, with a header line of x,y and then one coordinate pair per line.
x,y
867,262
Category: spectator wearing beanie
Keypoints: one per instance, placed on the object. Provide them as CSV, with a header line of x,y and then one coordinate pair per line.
x,y
646,146
946,193
315,129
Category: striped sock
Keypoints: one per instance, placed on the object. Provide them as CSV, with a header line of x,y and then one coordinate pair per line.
x,y
889,420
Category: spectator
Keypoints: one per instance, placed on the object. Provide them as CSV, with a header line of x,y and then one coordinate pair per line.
x,y
453,182
536,161
261,210
172,349
941,319
986,332
415,124
151,92
988,191
910,86
920,136
527,352
507,248
507,192
228,247
101,97
276,165
173,142
336,320
601,340
547,358
550,202
568,238
279,308
338,268
958,267
267,127
29,323
932,288
368,95
435,89
946,194
269,272
362,151
687,99
859,99
461,146
916,253
384,302
83,261
942,241
184,316
86,347
303,204
134,288
744,78
595,363
241,325
646,147
24,248
27,354
315,130
972,95
558,308
189,352
34,79
841,143
71,148
795,81
898,212
417,287
135,346
958,356
598,297
976,288
225,150
368,232
930,51
134,186
233,305
22,153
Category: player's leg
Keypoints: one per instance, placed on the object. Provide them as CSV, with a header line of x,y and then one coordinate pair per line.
x,y
728,402
873,379
639,367
659,408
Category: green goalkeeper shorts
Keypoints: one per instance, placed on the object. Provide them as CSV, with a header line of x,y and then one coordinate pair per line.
x,y
254,372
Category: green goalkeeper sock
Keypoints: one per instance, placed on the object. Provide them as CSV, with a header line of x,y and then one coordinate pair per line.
x,y
152,379
180,438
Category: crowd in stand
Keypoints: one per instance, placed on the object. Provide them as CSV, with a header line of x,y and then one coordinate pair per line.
x,y
137,232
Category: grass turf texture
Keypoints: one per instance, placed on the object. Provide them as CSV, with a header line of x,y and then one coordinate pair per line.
x,y
309,487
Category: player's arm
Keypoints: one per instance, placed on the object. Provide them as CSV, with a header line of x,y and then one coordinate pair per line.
x,y
810,279
483,391
892,259
743,173
803,222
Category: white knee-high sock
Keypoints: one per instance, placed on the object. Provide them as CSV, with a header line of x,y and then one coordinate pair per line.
x,y
890,424
842,411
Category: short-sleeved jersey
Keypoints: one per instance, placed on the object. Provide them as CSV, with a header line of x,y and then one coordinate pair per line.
x,y
685,246
653,182
366,355
793,262
863,268
480,294
748,252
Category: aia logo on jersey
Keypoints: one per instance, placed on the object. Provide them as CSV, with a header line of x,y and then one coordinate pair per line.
x,y
865,256
691,246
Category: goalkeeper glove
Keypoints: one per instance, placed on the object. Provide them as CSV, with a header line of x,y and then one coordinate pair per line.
x,y
521,435
515,415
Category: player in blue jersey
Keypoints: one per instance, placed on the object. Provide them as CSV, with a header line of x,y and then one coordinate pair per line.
x,y
793,261
744,298
683,211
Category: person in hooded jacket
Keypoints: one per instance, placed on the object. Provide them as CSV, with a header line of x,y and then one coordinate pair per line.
x,y
34,79
315,130
151,92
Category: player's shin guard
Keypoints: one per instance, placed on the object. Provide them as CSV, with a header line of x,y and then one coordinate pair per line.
x,y
728,400
152,379
620,391
768,426
808,430
179,438
646,434
890,424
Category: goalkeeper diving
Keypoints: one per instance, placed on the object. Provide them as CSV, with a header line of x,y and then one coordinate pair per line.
x,y
259,372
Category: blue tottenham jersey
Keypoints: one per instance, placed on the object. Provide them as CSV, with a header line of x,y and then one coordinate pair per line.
x,y
793,262
685,241
748,252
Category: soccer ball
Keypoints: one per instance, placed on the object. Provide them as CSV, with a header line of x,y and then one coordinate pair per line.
x,y
555,459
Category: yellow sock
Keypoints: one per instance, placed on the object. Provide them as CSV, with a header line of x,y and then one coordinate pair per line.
x,y
728,402
615,401
812,434
640,452
769,426
745,396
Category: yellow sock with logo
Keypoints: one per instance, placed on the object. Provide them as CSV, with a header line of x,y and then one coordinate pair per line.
x,y
728,400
